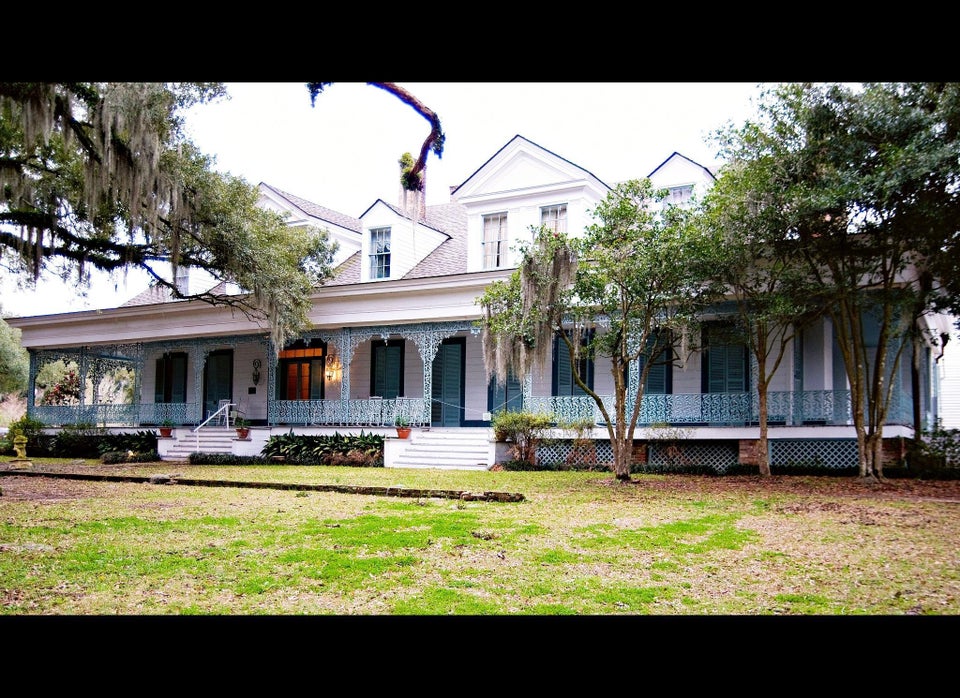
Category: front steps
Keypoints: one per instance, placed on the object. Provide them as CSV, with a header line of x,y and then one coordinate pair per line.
x,y
443,449
207,440
466,448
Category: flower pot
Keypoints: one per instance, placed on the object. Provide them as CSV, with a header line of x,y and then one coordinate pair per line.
x,y
242,432
166,432
403,432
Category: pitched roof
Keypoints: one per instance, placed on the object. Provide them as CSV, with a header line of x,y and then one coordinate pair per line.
x,y
681,155
518,137
318,211
155,293
450,257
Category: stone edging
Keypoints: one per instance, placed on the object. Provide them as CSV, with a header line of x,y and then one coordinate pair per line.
x,y
176,479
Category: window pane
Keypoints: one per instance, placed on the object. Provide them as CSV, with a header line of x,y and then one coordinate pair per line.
x,y
379,253
494,240
554,217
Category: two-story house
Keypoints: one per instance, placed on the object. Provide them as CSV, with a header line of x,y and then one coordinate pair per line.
x,y
394,333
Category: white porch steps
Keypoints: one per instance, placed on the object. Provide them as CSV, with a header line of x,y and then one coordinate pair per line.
x,y
211,440
463,448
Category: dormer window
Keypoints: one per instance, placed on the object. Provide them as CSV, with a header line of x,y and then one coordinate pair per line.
x,y
554,217
494,241
679,195
380,253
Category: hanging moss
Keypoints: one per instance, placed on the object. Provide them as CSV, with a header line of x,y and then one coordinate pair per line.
x,y
521,316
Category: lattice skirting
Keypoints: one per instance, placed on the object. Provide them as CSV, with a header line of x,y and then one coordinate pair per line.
x,y
821,453
718,455
575,453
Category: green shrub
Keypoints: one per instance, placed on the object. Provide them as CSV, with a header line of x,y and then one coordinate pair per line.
x,y
77,441
197,458
138,442
115,457
936,455
38,443
525,429
326,449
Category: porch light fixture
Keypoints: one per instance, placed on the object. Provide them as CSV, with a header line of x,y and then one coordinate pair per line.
x,y
256,371
333,366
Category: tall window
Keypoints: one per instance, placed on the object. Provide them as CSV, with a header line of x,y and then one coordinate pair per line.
x,y
725,368
386,368
494,240
380,253
554,217
660,375
563,381
171,385
301,372
507,397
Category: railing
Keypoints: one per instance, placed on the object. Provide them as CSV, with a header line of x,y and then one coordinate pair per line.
x,y
359,412
827,407
117,415
821,407
222,415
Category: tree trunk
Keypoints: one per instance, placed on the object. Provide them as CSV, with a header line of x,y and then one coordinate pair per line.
x,y
762,460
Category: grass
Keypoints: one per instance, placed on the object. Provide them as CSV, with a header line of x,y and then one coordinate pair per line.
x,y
578,544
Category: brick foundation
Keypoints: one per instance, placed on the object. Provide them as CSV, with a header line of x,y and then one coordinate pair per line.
x,y
894,451
749,453
639,452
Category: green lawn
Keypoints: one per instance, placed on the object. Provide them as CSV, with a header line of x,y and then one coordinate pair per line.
x,y
577,544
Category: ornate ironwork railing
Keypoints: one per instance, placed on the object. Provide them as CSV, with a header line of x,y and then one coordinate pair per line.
x,y
813,407
821,407
359,412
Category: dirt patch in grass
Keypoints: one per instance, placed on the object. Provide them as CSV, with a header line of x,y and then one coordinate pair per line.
x,y
826,485
54,488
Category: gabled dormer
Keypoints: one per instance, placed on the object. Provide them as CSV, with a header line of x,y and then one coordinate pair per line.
x,y
682,177
394,242
343,229
523,185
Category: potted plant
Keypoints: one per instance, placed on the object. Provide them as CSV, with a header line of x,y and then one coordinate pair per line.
x,y
242,426
402,424
166,428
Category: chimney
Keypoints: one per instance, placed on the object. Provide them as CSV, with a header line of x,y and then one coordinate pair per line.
x,y
414,203
183,280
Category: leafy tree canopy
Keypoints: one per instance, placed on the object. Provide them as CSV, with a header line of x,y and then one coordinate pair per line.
x,y
14,360
101,176
638,275
861,183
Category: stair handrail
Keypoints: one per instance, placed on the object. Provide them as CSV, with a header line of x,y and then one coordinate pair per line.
x,y
226,408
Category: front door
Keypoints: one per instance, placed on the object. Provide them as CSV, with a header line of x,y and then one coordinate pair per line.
x,y
446,408
217,380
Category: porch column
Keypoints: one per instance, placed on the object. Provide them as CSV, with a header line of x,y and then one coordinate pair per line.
x,y
32,380
428,337
82,365
796,415
199,361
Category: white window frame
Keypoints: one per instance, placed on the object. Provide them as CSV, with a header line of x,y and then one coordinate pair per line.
x,y
494,240
680,194
554,217
380,253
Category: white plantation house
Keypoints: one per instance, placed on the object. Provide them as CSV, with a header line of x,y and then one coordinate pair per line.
x,y
394,333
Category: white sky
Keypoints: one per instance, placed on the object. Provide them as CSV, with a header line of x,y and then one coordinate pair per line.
x,y
343,152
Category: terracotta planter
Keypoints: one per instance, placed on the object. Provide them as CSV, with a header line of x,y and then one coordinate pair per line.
x,y
403,432
166,432
242,432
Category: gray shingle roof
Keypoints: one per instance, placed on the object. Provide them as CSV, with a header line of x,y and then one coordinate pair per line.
x,y
450,257
318,211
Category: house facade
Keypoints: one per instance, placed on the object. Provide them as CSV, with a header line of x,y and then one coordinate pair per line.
x,y
394,333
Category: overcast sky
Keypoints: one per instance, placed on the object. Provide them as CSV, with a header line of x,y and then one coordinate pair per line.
x,y
343,151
